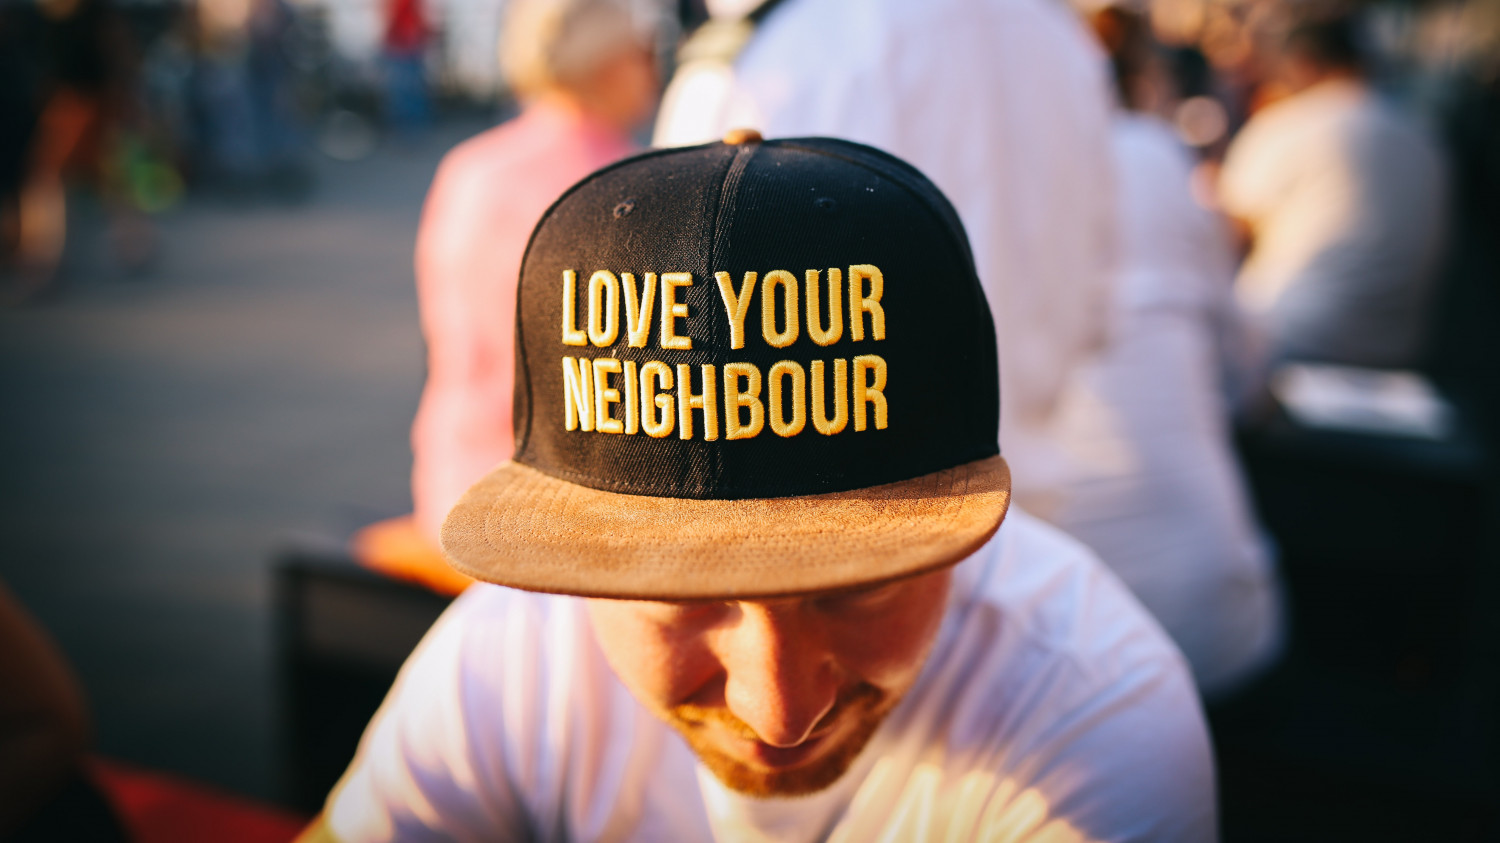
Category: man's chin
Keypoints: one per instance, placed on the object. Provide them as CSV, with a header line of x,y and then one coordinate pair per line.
x,y
793,781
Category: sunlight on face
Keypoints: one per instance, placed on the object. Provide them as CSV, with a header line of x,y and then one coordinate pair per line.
x,y
776,697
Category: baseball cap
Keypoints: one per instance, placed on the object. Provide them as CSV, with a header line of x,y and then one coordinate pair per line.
x,y
743,369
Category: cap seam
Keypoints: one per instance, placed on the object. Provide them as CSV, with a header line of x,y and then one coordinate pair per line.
x,y
723,216
752,492
523,437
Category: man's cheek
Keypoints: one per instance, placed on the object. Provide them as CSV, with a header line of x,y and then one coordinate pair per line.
x,y
662,671
892,657
692,675
891,670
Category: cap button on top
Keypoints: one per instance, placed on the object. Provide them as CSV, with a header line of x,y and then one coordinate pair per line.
x,y
735,137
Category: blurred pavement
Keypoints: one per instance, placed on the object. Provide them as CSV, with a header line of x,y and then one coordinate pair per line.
x,y
161,436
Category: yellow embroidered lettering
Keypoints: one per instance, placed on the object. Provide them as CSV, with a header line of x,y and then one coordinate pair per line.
x,y
638,310
788,335
672,310
632,399
604,316
835,308
687,402
860,304
798,375
604,396
871,393
572,334
653,373
578,394
736,306
749,398
840,397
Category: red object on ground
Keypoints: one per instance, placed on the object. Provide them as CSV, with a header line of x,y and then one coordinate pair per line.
x,y
159,808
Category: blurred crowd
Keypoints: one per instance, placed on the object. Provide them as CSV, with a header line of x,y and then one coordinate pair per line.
x,y
133,104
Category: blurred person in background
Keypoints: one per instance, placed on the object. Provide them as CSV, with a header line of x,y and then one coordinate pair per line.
x,y
585,72
45,793
86,88
1343,199
20,104
1157,490
403,59
1004,104
248,131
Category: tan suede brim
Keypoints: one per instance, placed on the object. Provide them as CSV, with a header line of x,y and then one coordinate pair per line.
x,y
521,528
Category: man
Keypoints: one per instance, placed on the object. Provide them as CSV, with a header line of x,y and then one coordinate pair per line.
x,y
755,429
1343,198
1004,104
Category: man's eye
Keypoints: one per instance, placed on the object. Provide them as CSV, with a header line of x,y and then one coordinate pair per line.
x,y
688,611
860,599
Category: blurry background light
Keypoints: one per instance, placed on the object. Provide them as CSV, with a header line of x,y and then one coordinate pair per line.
x,y
1201,121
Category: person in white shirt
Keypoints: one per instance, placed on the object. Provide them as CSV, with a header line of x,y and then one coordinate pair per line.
x,y
750,577
1157,491
1344,199
1004,104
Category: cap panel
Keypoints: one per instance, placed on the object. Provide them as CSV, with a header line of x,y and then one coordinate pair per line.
x,y
918,399
647,216
899,171
799,212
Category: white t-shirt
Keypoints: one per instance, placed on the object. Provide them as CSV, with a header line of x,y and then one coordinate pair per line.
x,y
1347,202
1156,489
1052,708
1004,104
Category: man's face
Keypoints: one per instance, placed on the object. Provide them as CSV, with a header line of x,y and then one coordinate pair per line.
x,y
777,697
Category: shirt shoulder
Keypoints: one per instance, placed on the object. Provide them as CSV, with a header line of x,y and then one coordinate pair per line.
x,y
529,159
506,723
1048,593
427,767
1066,702
487,196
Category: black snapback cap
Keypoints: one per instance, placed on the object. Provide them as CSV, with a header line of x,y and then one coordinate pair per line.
x,y
743,369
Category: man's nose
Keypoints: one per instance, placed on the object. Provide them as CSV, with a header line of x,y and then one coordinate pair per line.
x,y
781,679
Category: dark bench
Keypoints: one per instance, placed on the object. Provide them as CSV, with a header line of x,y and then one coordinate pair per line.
x,y
343,632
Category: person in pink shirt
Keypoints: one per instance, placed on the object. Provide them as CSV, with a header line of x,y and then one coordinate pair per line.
x,y
586,73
